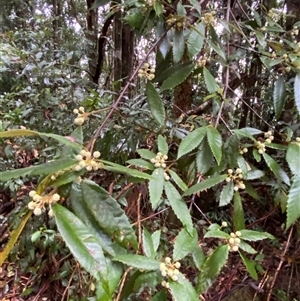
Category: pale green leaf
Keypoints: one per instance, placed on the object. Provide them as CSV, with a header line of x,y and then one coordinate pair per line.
x,y
156,239
212,267
279,96
246,247
293,202
178,45
238,213
156,186
297,92
148,246
179,206
185,243
226,194
162,145
293,158
277,170
215,143
179,182
198,257
255,174
252,235
155,103
158,7
139,262
183,290
146,154
196,39
191,141
210,82
250,266
141,163
217,234
177,77
205,184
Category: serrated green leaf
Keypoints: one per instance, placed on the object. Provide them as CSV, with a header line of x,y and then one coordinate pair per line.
x,y
250,266
279,96
293,204
158,7
151,278
293,158
198,257
156,186
141,163
178,45
155,103
252,235
211,268
160,296
255,174
226,194
204,158
139,262
122,169
179,182
177,77
232,150
216,233
251,191
247,132
210,82
246,247
191,141
218,50
156,239
196,39
205,184
108,214
82,244
47,168
297,92
162,145
148,246
183,290
238,213
276,169
214,139
146,154
185,243
179,206
243,165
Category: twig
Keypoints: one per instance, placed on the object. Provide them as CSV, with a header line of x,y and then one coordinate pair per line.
x,y
139,222
115,105
280,264
151,216
122,283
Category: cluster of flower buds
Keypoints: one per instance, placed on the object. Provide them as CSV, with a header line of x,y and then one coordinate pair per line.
x,y
169,269
274,14
243,150
294,32
81,115
177,21
261,146
159,161
234,241
87,161
147,72
237,177
209,18
39,202
201,62
269,137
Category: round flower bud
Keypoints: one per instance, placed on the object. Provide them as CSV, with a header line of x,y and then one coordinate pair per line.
x,y
245,150
32,193
79,157
167,178
260,151
82,163
37,211
298,139
177,265
153,160
162,266
152,70
75,111
235,188
96,154
89,168
268,140
167,285
146,65
237,240
174,278
36,197
163,165
230,171
53,177
56,197
50,213
238,170
157,164
81,109
170,273
238,233
31,205
231,241
228,180
233,234
163,283
165,157
77,167
167,260
235,248
164,273
79,121
242,186
224,224
176,272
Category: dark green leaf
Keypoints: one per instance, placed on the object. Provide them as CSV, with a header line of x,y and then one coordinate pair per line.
x,y
212,267
191,141
255,235
162,145
148,244
183,290
297,92
156,186
155,103
141,163
214,139
205,184
250,265
210,82
217,234
293,203
226,194
139,262
204,157
246,247
293,158
279,96
178,181
196,39
179,206
198,257
238,214
185,243
178,45
146,154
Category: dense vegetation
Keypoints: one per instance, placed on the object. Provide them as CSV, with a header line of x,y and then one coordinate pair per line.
x,y
151,150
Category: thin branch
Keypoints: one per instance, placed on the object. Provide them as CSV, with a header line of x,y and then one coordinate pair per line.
x,y
115,105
